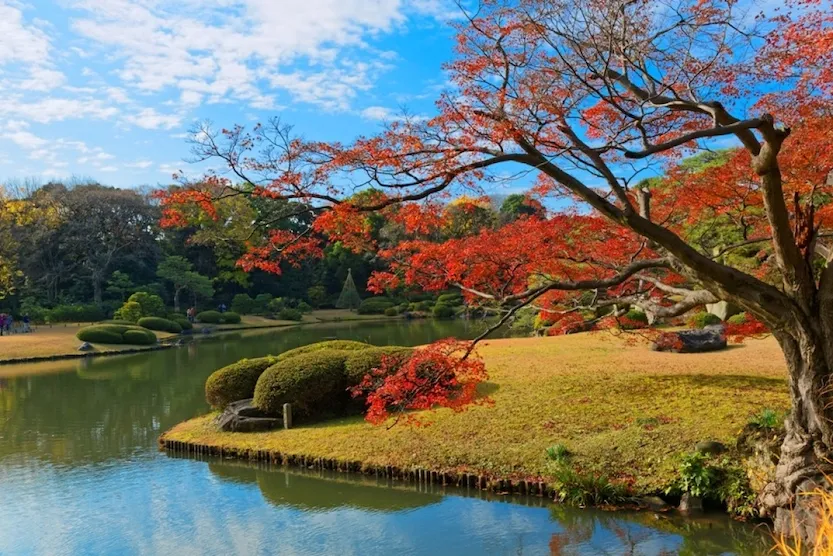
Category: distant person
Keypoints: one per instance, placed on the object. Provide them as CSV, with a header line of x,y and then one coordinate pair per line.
x,y
9,324
2,323
191,313
26,324
222,307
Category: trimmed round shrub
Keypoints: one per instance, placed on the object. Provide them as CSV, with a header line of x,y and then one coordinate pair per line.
x,y
116,334
243,303
738,319
375,306
312,382
288,313
118,321
158,323
230,317
184,323
210,317
391,312
100,334
340,345
442,311
702,320
360,363
304,307
130,312
236,381
139,337
452,299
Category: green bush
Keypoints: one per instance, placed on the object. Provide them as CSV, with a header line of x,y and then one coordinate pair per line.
x,y
139,337
287,313
152,305
442,311
340,345
697,477
452,299
261,304
243,304
375,306
587,488
75,313
304,307
636,315
230,317
277,304
738,319
118,321
183,322
210,317
558,453
236,381
424,305
312,382
361,362
116,334
129,312
158,323
702,320
768,419
391,312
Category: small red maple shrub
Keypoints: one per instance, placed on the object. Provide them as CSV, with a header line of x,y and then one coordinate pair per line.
x,y
443,374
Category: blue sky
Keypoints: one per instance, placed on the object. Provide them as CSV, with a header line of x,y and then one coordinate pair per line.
x,y
108,88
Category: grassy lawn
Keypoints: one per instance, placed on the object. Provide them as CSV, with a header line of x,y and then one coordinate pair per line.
x,y
620,409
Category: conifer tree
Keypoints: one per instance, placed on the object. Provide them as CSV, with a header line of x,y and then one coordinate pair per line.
x,y
349,298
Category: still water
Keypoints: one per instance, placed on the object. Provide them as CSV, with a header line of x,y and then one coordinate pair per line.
x,y
80,474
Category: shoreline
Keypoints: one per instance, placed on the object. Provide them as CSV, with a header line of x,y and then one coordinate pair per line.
x,y
170,341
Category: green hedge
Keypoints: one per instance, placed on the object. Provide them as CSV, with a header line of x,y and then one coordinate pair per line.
x,y
288,313
375,306
391,311
183,322
116,334
312,382
236,381
158,323
341,345
216,317
118,321
75,313
362,362
442,311
452,299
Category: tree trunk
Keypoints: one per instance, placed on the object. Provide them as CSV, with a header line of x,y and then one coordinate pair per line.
x,y
808,447
97,294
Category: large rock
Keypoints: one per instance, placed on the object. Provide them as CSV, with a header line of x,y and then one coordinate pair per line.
x,y
691,341
86,346
242,416
723,309
691,504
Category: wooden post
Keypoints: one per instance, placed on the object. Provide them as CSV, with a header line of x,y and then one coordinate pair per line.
x,y
287,416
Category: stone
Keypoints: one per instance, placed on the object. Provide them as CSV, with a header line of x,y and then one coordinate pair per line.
x,y
710,447
86,346
723,309
691,504
653,503
692,341
243,416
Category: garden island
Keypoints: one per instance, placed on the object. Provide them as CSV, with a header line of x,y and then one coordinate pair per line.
x,y
594,274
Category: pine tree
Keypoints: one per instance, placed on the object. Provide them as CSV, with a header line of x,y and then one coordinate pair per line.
x,y
349,298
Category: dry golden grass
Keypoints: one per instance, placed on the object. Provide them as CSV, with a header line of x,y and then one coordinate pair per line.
x,y
620,409
56,340
823,541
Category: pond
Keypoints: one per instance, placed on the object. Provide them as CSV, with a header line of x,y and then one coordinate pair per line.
x,y
80,473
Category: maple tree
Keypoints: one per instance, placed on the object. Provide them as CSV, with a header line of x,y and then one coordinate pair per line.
x,y
593,97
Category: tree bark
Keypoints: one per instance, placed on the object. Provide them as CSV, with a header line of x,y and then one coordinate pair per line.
x,y
808,447
176,299
97,293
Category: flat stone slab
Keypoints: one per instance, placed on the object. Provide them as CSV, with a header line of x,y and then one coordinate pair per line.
x,y
242,416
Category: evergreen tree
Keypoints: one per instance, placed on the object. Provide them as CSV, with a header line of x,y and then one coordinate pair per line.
x,y
349,298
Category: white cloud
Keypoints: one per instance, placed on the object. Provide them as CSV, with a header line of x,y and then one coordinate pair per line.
x,y
227,49
108,169
56,109
21,42
149,118
141,164
384,114
42,79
